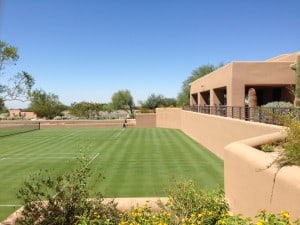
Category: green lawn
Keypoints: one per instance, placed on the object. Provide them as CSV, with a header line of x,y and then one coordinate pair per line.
x,y
136,162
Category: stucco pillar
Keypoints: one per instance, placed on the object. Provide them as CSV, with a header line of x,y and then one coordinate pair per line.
x,y
201,100
236,100
214,102
236,95
214,98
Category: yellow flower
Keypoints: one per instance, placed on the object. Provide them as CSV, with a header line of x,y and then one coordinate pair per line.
x,y
200,215
166,214
161,223
168,202
260,222
285,214
123,223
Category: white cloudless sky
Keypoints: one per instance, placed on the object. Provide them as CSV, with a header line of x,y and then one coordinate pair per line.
x,y
86,50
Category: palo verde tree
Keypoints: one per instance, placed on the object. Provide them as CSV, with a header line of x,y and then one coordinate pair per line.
x,y
2,106
123,100
155,101
183,97
13,87
45,104
85,109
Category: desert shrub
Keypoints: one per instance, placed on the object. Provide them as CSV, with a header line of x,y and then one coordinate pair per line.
x,y
269,218
272,112
262,218
191,204
291,154
63,199
278,105
234,220
145,216
267,148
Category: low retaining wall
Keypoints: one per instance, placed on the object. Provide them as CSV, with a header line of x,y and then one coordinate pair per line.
x,y
213,132
168,118
86,123
145,120
249,186
116,123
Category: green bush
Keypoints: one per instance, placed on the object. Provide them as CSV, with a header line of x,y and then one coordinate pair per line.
x,y
291,154
271,112
145,216
188,203
63,199
263,218
267,148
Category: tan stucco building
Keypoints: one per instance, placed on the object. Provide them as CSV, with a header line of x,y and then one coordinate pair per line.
x,y
229,85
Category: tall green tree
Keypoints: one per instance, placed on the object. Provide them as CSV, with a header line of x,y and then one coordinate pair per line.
x,y
13,87
123,100
183,97
108,107
158,100
85,109
2,106
45,104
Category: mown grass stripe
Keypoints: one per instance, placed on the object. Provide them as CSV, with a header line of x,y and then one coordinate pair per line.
x,y
139,162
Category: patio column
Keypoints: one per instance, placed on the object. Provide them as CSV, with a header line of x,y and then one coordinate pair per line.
x,y
236,95
214,102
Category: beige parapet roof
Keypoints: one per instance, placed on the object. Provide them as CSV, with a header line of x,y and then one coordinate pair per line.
x,y
285,57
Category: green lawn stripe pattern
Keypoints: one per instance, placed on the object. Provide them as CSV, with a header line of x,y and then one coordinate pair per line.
x,y
137,162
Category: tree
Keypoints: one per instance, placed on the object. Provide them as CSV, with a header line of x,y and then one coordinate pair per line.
x,y
85,109
108,107
2,106
18,86
123,100
45,104
155,101
183,97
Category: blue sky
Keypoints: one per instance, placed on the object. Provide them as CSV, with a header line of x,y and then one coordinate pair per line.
x,y
86,50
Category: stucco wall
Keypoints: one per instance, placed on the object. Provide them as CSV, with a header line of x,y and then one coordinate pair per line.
x,y
218,78
168,118
145,120
249,185
213,132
